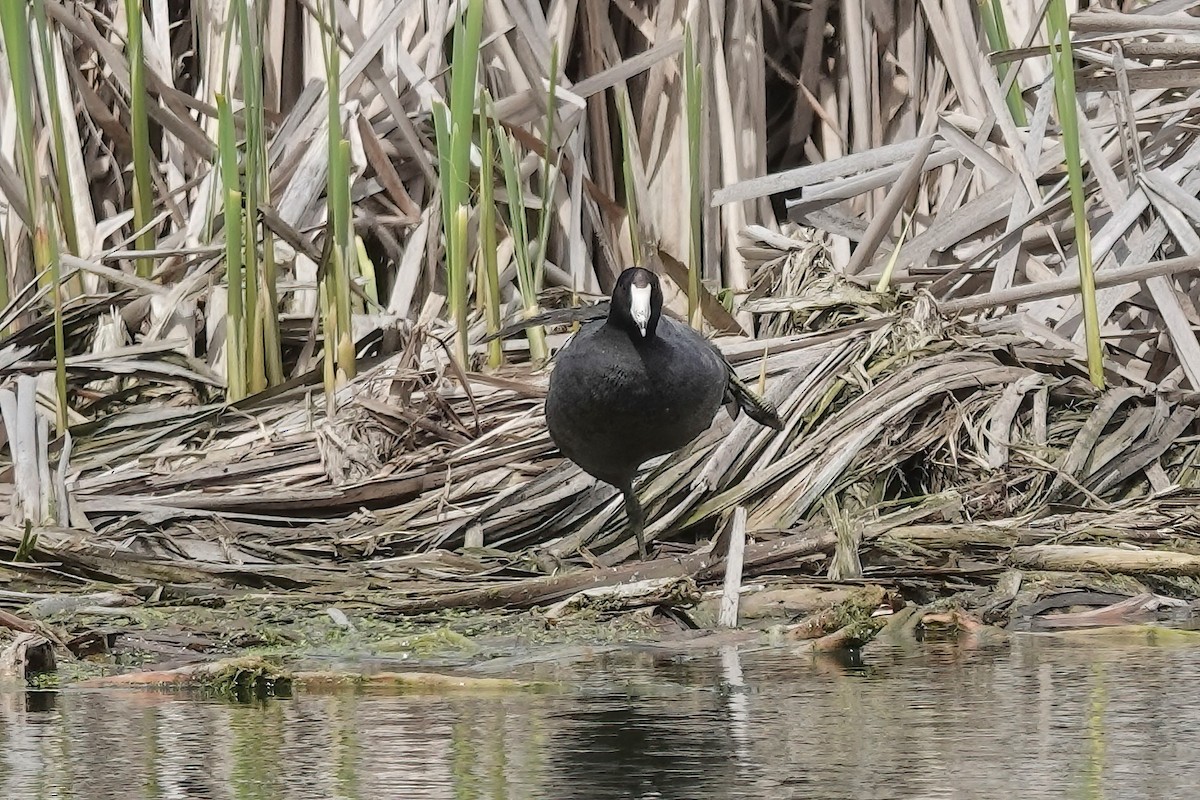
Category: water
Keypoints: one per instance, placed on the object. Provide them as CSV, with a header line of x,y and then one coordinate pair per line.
x,y
1042,719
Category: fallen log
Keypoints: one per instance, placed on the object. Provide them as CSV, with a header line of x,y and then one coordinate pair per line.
x,y
551,588
1080,558
408,682
957,536
248,675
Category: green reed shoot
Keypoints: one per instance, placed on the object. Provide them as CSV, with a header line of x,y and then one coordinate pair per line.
x,y
343,261
58,140
452,200
454,127
15,24
46,242
139,132
631,206
339,341
693,86
235,324
261,305
885,277
487,279
549,173
328,325
370,286
992,14
1063,68
526,277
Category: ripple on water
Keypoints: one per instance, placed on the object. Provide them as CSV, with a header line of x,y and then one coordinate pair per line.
x,y
1045,718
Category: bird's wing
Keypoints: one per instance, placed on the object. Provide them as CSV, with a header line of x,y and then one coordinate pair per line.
x,y
555,316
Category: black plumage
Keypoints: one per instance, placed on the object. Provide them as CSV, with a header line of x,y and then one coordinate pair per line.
x,y
636,385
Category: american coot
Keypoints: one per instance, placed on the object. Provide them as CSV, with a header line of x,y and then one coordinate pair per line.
x,y
639,385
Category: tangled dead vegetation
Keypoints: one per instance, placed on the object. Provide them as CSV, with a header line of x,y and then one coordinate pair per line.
x,y
921,451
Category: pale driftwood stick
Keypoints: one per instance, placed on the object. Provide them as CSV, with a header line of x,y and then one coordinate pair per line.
x,y
1067,285
1112,22
1147,452
41,434
855,164
8,417
1001,419
957,536
533,591
20,421
474,537
62,500
519,108
1070,558
1136,609
826,194
897,196
733,569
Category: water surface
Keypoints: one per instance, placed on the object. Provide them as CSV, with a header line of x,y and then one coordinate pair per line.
x,y
1043,718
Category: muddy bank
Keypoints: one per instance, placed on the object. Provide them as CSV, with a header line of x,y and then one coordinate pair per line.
x,y
265,643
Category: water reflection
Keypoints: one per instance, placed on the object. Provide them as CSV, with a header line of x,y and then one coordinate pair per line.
x,y
1043,719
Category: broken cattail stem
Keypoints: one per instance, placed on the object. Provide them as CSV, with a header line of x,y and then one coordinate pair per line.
x,y
733,569
1069,285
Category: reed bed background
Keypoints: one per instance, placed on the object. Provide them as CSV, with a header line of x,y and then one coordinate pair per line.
x,y
250,249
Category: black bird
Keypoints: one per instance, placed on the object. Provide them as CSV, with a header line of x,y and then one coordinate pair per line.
x,y
637,385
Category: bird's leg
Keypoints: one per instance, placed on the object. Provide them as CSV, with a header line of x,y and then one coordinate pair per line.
x,y
637,519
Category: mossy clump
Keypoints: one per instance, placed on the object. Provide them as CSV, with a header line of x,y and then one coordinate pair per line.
x,y
428,643
857,609
245,679
861,631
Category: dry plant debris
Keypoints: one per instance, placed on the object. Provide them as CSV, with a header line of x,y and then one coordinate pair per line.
x,y
943,437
